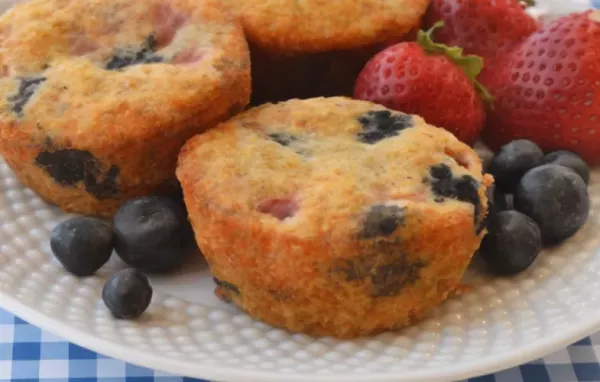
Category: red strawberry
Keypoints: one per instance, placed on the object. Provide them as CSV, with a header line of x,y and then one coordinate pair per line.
x,y
548,89
487,28
431,80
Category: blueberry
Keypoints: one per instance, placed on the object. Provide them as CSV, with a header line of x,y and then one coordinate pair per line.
x,y
569,160
497,202
145,54
152,233
440,171
68,167
127,294
27,88
556,198
286,140
225,291
498,198
441,181
82,244
486,159
388,272
226,285
484,222
464,188
512,244
512,161
391,279
382,124
382,220
283,139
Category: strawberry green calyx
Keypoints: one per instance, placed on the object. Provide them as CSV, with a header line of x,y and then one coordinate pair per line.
x,y
470,64
528,3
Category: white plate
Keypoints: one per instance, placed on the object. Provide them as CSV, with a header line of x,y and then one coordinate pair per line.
x,y
187,331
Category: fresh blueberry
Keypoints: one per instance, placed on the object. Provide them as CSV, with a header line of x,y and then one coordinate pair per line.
x,y
484,222
569,160
512,244
556,198
497,202
512,161
499,199
82,244
127,294
152,233
382,124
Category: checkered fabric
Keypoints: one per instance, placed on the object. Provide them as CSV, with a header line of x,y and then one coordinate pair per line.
x,y
29,354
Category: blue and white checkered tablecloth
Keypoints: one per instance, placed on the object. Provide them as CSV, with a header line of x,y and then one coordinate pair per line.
x,y
29,354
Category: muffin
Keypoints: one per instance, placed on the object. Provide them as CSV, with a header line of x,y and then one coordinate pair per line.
x,y
314,48
99,96
332,216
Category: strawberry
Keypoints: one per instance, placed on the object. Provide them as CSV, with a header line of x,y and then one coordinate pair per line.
x,y
429,79
487,28
548,89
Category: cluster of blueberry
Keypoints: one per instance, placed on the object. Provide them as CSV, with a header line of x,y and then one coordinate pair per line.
x,y
538,200
150,234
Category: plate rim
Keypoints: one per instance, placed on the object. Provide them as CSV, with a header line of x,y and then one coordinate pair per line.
x,y
485,365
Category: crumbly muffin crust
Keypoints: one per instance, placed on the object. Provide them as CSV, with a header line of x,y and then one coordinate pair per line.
x,y
332,216
319,25
98,96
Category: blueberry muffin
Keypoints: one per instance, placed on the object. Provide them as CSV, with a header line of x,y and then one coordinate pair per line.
x,y
315,48
331,216
317,26
98,96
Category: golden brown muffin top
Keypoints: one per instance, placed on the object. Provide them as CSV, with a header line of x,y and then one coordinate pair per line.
x,y
68,66
322,25
333,165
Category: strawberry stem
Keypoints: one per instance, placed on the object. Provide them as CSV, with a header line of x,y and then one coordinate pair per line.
x,y
470,64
